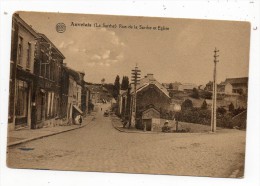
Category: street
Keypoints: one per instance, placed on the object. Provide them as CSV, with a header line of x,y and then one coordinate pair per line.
x,y
100,147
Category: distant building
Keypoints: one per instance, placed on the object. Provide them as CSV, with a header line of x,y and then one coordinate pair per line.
x,y
231,86
98,93
187,86
175,86
239,85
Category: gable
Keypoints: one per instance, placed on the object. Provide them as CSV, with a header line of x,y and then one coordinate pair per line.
x,y
150,113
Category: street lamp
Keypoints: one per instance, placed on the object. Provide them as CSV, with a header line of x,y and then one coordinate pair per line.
x,y
177,109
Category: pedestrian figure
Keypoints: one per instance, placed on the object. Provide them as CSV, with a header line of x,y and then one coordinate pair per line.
x,y
101,108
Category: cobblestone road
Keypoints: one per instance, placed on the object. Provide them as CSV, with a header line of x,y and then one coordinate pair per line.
x,y
99,147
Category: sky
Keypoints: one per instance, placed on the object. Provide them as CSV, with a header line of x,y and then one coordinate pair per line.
x,y
183,53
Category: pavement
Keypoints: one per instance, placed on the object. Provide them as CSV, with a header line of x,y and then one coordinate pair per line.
x,y
99,147
16,137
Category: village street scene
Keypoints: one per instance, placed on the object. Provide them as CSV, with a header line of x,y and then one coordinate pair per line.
x,y
114,102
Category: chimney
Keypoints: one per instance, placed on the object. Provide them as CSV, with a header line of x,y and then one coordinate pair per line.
x,y
150,76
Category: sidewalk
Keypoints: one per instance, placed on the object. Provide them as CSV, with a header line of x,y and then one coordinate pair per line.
x,y
24,135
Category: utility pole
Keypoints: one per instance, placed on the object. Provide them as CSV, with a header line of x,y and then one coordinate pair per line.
x,y
214,93
135,80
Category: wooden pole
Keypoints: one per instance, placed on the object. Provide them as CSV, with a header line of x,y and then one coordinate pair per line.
x,y
214,94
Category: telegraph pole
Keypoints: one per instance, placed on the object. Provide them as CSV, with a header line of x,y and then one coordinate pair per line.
x,y
135,80
214,94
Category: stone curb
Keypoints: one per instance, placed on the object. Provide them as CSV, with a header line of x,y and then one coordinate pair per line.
x,y
46,135
126,131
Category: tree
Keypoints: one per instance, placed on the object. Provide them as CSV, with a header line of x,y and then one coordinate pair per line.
x,y
171,94
116,87
195,93
170,86
103,81
204,105
125,83
187,104
231,107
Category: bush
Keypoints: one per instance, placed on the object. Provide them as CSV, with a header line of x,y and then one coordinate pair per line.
x,y
231,107
238,111
187,104
225,121
221,110
166,128
204,105
196,115
202,116
195,93
206,95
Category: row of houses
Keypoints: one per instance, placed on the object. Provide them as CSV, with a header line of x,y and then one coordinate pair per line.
x,y
231,86
43,90
177,86
153,98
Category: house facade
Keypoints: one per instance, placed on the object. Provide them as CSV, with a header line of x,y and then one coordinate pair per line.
x,y
72,86
149,94
22,76
47,89
42,91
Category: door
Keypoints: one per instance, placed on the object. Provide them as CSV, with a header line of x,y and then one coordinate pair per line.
x,y
40,103
147,124
21,104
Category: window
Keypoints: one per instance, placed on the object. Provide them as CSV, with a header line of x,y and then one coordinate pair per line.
x,y
52,70
43,65
50,105
28,61
20,50
22,97
47,71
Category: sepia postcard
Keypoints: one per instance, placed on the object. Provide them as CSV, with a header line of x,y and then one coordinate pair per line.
x,y
125,94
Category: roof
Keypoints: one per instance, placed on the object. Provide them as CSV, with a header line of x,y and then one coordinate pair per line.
x,y
75,74
25,25
243,80
96,88
47,39
176,83
146,81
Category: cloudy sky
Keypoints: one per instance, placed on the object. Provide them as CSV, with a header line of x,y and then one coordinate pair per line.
x,y
183,53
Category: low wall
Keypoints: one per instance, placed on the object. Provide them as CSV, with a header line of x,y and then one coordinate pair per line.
x,y
157,125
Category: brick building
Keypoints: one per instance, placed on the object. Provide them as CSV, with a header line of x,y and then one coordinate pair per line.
x,y
149,94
